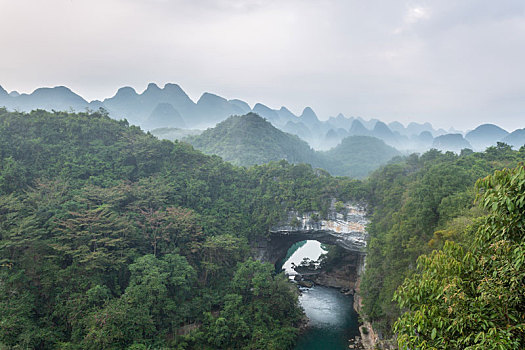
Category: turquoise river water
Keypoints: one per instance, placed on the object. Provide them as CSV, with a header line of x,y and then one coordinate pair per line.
x,y
332,319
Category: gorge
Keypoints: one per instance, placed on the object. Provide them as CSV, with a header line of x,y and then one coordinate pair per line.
x,y
332,318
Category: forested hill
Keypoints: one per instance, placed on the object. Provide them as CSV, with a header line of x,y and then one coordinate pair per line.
x,y
358,156
110,238
418,205
250,139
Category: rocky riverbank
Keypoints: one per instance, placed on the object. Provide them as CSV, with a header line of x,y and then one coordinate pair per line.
x,y
343,276
346,276
369,338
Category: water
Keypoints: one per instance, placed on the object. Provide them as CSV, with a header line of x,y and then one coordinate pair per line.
x,y
300,250
332,319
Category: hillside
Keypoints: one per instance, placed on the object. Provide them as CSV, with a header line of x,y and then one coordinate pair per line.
x,y
357,156
110,238
250,139
419,204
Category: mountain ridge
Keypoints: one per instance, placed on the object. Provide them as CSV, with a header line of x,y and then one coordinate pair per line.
x,y
211,109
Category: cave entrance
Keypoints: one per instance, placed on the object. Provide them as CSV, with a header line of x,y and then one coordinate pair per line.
x,y
302,257
316,261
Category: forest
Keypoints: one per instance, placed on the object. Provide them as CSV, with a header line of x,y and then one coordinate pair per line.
x,y
446,250
113,239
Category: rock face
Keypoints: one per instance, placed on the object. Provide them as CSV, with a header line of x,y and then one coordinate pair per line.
x,y
344,276
346,227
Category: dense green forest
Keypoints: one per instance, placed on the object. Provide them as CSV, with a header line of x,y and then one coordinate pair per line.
x,y
250,139
110,238
418,205
471,294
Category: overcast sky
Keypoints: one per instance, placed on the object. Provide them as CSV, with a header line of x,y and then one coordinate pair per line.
x,y
450,62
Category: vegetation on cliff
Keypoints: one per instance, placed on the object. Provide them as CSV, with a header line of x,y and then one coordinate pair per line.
x,y
471,294
418,204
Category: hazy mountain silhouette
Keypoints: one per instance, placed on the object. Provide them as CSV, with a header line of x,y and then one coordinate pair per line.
x,y
397,127
308,117
266,112
451,142
485,135
143,109
358,129
212,109
369,124
516,138
383,132
58,98
417,128
164,115
340,121
241,104
298,129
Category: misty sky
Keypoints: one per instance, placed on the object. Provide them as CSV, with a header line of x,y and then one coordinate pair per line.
x,y
450,62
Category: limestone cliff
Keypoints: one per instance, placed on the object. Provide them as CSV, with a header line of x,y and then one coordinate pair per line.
x,y
344,226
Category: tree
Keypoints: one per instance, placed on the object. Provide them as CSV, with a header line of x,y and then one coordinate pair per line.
x,y
152,307
169,229
473,297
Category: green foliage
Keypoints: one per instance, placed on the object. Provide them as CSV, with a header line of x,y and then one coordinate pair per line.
x,y
112,239
249,139
417,205
259,311
333,257
472,296
339,206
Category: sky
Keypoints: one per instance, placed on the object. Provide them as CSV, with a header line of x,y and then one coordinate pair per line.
x,y
448,62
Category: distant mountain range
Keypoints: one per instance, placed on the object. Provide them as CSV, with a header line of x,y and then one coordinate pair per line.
x,y
250,139
171,107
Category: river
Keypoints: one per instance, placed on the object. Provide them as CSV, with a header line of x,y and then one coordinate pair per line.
x,y
332,319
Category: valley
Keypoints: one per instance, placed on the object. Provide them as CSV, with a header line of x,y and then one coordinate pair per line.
x,y
262,175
